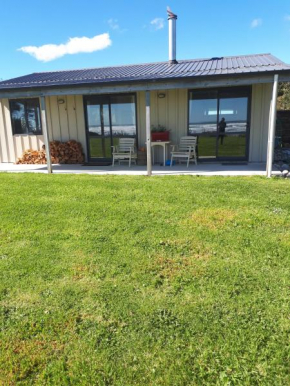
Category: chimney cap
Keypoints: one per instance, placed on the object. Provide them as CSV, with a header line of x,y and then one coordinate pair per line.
x,y
170,14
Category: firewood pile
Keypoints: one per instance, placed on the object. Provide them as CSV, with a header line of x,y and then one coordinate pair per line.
x,y
32,157
70,152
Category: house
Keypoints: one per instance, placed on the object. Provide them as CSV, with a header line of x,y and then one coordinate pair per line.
x,y
229,103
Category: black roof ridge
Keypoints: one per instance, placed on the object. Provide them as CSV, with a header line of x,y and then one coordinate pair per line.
x,y
153,63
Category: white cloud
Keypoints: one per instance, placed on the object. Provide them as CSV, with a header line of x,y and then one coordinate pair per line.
x,y
158,23
113,23
287,17
75,45
256,23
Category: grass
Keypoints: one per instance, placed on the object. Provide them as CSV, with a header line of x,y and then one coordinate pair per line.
x,y
111,280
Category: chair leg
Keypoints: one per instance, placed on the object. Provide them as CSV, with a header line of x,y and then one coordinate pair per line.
x,y
113,164
188,161
129,162
171,161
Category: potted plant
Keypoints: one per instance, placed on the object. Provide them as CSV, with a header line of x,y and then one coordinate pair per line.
x,y
159,133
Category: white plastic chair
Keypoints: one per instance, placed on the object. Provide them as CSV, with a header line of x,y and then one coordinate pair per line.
x,y
125,151
186,150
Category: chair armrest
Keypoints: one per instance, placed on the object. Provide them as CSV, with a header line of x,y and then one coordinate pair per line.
x,y
132,149
115,148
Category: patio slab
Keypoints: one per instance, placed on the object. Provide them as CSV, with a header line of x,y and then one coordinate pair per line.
x,y
205,169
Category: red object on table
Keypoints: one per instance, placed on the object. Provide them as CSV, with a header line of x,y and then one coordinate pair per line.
x,y
160,136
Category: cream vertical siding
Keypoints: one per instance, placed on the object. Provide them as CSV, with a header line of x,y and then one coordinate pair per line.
x,y
65,121
170,112
261,100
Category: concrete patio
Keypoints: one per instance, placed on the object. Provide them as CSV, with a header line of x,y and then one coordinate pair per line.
x,y
202,169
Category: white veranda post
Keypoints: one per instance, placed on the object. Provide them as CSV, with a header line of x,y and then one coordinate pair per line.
x,y
148,134
272,127
45,133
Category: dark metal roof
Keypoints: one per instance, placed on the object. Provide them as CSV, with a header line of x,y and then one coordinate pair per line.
x,y
233,65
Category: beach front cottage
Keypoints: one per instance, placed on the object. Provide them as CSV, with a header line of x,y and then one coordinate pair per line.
x,y
228,103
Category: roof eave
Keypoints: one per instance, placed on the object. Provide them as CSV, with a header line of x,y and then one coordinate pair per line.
x,y
147,84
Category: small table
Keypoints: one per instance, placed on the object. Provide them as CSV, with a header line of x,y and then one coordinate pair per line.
x,y
162,144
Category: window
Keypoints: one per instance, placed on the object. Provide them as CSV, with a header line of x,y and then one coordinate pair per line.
x,y
220,120
25,116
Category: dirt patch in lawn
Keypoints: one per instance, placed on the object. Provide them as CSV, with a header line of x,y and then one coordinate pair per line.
x,y
168,268
212,218
22,358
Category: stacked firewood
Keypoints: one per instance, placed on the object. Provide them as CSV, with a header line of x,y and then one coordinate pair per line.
x,y
70,152
32,157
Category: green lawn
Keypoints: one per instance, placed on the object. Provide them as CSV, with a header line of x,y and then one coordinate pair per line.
x,y
111,280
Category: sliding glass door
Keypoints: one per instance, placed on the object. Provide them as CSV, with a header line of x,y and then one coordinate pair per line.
x,y
220,120
108,118
203,118
98,128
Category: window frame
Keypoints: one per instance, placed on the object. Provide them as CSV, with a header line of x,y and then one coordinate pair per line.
x,y
24,101
107,99
223,92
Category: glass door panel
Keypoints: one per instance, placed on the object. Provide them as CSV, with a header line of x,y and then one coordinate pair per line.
x,y
123,116
100,147
99,133
203,123
232,127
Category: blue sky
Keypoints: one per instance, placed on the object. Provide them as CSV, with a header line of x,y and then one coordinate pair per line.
x,y
136,32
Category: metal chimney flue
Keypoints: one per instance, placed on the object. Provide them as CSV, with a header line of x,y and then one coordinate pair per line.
x,y
172,36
